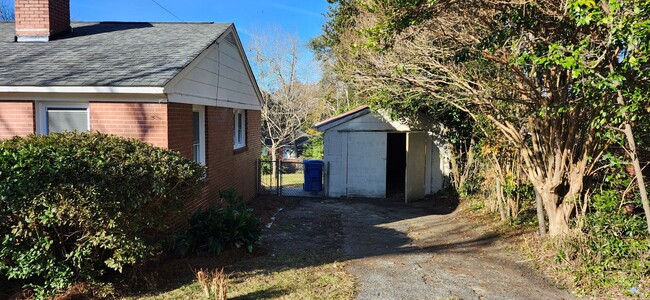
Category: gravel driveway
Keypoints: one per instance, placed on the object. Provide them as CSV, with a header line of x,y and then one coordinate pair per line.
x,y
422,250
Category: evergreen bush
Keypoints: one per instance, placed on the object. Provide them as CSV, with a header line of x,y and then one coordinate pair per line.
x,y
74,205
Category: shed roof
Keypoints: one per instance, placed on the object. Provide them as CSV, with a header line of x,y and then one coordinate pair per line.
x,y
120,54
333,121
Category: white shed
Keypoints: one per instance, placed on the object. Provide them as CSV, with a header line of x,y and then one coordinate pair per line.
x,y
369,155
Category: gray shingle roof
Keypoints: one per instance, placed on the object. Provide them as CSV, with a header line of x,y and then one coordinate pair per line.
x,y
105,54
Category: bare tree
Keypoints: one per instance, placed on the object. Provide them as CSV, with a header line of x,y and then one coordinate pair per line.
x,y
288,98
6,11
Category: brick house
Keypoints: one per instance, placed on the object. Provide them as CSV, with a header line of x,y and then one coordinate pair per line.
x,y
183,86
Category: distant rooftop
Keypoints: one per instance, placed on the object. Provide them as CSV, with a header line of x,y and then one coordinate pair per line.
x,y
105,54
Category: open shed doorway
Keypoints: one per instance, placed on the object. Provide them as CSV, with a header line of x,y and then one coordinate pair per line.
x,y
395,164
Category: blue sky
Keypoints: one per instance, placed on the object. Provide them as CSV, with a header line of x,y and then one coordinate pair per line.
x,y
301,17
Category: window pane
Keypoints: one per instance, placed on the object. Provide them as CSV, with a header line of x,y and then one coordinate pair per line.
x,y
197,152
196,146
239,129
196,120
234,126
60,119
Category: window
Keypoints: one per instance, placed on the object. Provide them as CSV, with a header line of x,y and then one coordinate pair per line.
x,y
240,129
198,146
63,117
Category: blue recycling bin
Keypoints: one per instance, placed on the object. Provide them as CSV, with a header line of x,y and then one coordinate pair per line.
x,y
313,175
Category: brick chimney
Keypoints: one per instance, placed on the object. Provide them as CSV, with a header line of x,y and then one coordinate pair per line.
x,y
40,20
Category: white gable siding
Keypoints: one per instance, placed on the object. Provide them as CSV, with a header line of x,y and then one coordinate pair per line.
x,y
219,77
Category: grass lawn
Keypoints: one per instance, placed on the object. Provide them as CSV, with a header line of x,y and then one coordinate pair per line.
x,y
288,180
328,281
296,262
281,276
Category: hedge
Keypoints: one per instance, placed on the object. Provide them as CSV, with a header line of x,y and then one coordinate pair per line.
x,y
75,205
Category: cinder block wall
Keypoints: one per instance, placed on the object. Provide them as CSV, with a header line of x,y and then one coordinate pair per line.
x,y
16,118
142,121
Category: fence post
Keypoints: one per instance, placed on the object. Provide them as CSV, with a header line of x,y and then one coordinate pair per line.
x,y
279,177
258,170
326,179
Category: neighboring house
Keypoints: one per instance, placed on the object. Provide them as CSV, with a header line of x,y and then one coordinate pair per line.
x,y
187,87
293,150
298,146
370,155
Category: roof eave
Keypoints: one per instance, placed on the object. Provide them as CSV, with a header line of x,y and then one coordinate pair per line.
x,y
345,117
84,89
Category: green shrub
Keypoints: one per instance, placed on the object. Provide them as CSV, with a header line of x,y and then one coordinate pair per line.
x,y
233,198
74,205
315,149
265,164
616,249
218,229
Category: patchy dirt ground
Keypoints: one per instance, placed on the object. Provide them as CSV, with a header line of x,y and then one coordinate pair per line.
x,y
422,250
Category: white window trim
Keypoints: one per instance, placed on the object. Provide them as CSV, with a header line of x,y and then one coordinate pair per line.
x,y
236,129
41,116
201,110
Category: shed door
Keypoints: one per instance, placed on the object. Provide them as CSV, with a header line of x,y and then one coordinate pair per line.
x,y
366,164
415,165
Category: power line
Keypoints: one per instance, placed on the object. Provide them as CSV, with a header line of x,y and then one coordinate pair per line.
x,y
167,10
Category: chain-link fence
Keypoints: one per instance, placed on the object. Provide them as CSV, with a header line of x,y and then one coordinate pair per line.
x,y
289,178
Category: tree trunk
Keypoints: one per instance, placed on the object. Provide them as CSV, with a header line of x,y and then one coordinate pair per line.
x,y
638,172
455,170
540,214
274,163
500,200
558,212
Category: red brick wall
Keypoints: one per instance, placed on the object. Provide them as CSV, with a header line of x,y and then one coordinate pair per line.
x,y
246,171
218,149
59,16
143,121
16,118
168,126
42,17
180,130
230,167
226,167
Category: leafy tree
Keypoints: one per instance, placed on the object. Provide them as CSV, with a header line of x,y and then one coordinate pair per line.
x,y
547,74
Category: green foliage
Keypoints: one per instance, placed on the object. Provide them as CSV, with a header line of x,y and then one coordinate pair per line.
x,y
216,229
315,149
556,79
232,197
265,164
615,252
74,205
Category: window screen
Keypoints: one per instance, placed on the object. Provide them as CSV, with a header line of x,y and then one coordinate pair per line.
x,y
239,138
70,119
